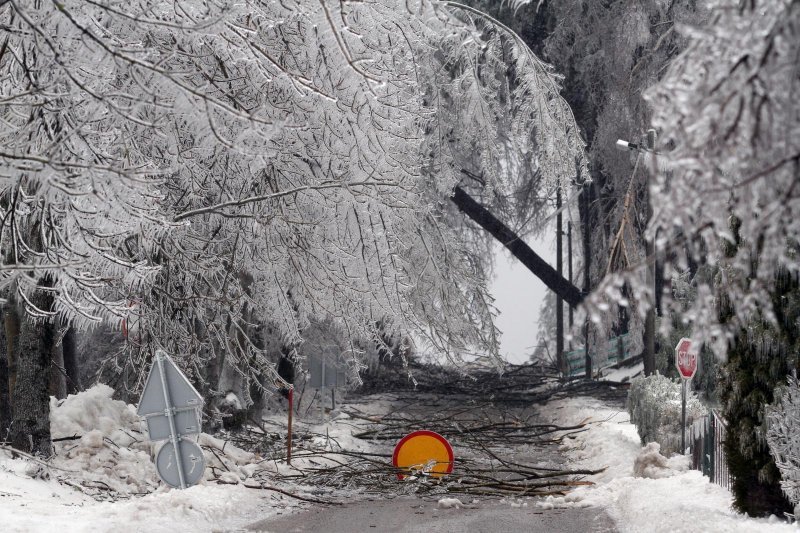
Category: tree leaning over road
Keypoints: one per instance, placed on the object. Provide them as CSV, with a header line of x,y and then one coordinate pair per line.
x,y
201,169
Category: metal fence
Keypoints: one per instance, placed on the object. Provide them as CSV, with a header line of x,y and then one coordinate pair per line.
x,y
707,437
609,353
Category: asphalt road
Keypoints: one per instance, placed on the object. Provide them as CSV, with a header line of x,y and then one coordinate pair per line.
x,y
412,515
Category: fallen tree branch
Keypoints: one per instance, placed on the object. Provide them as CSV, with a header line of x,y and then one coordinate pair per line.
x,y
261,486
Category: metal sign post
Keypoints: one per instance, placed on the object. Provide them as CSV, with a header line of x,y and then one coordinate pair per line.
x,y
686,363
322,395
683,415
171,408
324,374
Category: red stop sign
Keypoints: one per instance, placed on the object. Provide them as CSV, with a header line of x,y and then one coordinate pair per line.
x,y
686,358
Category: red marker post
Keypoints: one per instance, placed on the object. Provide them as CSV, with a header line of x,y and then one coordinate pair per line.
x,y
686,363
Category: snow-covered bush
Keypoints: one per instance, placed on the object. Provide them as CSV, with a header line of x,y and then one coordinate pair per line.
x,y
783,438
654,404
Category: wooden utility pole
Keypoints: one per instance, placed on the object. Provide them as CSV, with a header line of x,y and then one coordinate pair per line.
x,y
560,359
569,270
650,251
585,199
485,219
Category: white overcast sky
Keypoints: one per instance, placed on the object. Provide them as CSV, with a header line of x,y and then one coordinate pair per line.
x,y
518,296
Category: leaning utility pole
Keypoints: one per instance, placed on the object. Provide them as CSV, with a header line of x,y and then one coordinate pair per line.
x,y
485,219
649,334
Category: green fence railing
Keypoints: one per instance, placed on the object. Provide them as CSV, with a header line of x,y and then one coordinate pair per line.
x,y
616,349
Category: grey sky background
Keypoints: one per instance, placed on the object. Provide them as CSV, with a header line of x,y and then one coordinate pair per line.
x,y
518,296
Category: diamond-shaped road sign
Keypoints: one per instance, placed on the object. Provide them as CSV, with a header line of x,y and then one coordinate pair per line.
x,y
171,407
686,358
180,391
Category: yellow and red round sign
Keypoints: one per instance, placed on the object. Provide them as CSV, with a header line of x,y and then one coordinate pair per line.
x,y
423,451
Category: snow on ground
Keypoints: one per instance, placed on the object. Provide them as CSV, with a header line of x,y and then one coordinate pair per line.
x,y
626,373
111,460
672,498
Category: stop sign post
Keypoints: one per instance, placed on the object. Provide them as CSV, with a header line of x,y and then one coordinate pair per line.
x,y
686,363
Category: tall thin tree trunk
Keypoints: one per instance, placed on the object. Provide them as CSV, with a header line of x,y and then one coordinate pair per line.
x,y
30,427
69,348
11,325
5,402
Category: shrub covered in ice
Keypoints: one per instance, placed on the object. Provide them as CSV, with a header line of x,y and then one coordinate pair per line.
x,y
654,404
783,438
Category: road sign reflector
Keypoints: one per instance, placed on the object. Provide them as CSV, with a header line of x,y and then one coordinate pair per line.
x,y
425,451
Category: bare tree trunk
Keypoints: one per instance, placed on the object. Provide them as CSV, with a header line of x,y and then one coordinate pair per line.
x,y
69,348
11,326
30,427
5,402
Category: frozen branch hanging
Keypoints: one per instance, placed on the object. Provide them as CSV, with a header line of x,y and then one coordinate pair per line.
x,y
207,169
730,127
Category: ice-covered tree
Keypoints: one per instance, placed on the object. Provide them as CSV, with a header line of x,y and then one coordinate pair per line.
x,y
202,169
729,123
783,437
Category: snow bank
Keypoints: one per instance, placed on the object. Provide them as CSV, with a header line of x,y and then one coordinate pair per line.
x,y
651,464
667,497
35,506
106,456
111,454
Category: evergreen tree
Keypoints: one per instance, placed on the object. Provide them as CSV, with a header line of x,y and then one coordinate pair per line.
x,y
759,359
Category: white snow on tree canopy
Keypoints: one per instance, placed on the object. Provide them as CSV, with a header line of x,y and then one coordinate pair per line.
x,y
199,167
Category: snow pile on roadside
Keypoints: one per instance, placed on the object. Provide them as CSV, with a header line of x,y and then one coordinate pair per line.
x,y
449,503
111,451
108,452
37,505
668,498
106,456
651,464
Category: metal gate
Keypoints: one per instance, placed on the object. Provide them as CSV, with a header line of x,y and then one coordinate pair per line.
x,y
708,434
